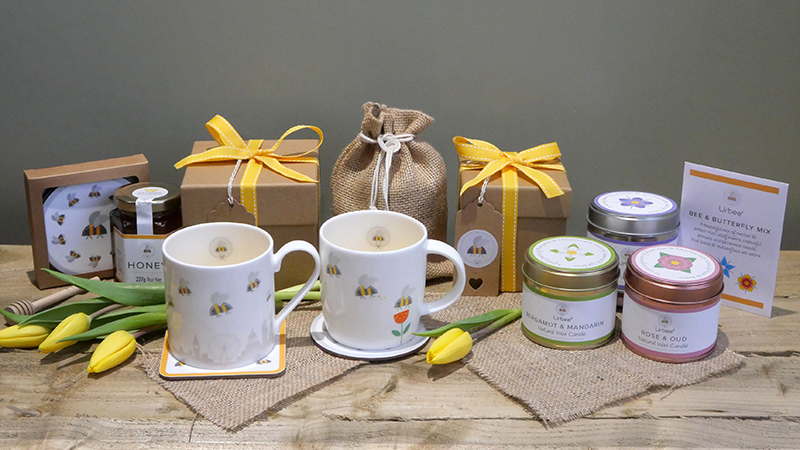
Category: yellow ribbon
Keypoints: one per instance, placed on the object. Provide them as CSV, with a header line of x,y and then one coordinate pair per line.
x,y
233,147
491,160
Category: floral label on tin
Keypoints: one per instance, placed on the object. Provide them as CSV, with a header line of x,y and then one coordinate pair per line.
x,y
572,253
674,263
635,203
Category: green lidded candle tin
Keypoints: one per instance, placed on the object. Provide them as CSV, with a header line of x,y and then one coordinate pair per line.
x,y
569,296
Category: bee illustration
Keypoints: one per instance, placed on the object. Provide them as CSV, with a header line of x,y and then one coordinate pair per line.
x,y
95,192
182,289
254,282
95,227
59,218
365,287
333,269
94,260
263,361
405,300
179,364
59,240
72,200
73,255
378,238
147,250
477,248
221,250
220,306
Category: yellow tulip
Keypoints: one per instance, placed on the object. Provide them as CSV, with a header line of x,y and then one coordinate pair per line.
x,y
74,324
449,347
25,336
114,350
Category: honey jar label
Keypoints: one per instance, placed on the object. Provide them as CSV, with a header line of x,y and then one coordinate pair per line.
x,y
687,334
572,253
138,258
635,203
673,263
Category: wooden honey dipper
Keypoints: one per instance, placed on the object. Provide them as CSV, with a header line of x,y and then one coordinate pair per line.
x,y
26,308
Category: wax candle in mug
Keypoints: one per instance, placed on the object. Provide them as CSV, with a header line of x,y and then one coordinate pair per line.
x,y
373,278
220,292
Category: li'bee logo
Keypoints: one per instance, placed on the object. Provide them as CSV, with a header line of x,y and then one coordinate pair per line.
x,y
365,288
221,248
378,237
562,309
72,200
253,282
665,320
147,250
220,306
95,227
477,247
332,268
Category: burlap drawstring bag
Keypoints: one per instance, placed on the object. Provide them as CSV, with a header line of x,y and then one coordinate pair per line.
x,y
389,167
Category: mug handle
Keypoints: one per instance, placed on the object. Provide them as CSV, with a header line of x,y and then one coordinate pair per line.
x,y
442,249
289,247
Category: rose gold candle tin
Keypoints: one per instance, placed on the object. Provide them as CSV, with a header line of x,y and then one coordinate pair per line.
x,y
671,305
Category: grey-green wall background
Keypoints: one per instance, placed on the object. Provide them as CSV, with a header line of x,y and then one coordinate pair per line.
x,y
629,89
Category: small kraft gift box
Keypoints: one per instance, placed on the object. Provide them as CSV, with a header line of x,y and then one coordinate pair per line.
x,y
273,184
507,201
68,214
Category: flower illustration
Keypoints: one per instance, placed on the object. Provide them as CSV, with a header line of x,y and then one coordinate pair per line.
x,y
675,262
747,282
635,202
726,266
572,252
403,306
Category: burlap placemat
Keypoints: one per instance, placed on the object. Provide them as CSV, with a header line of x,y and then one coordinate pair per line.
x,y
233,403
563,385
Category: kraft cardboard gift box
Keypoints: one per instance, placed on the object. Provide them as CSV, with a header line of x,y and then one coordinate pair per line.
x,y
538,217
63,200
287,209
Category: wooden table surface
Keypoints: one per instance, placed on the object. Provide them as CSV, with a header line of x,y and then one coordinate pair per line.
x,y
51,402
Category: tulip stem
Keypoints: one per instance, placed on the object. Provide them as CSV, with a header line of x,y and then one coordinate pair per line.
x,y
146,330
497,324
105,310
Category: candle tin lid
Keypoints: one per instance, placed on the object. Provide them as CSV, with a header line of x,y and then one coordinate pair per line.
x,y
634,213
674,274
162,196
571,263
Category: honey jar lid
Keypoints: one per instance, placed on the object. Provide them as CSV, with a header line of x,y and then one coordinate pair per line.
x,y
634,213
162,196
571,263
674,274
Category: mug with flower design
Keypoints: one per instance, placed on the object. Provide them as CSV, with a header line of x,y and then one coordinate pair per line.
x,y
373,278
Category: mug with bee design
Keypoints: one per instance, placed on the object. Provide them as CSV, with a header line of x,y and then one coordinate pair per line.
x,y
220,293
373,278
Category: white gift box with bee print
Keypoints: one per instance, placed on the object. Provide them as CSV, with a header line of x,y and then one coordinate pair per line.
x,y
68,215
373,278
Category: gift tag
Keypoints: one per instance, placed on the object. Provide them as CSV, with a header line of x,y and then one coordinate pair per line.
x,y
478,239
231,212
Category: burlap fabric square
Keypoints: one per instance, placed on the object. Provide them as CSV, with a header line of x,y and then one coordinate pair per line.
x,y
233,403
563,385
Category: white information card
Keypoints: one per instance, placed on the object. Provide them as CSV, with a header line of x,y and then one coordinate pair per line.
x,y
737,219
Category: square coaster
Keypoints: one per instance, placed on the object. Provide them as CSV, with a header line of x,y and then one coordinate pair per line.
x,y
272,365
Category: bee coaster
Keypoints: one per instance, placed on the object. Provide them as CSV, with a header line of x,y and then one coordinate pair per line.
x,y
271,365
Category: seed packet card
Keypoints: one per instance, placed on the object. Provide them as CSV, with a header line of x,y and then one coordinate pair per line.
x,y
737,219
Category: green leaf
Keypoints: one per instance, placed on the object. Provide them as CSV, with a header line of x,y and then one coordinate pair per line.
x,y
13,318
691,259
53,316
395,332
589,254
407,327
130,294
470,322
127,312
569,258
573,245
128,323
664,254
554,250
658,266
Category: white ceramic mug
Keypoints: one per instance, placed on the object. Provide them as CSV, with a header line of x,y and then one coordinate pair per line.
x,y
220,292
373,277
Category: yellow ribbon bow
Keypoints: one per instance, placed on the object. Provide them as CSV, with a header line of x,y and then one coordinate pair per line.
x,y
233,147
491,160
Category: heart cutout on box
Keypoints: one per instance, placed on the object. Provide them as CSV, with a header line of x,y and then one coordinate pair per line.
x,y
475,283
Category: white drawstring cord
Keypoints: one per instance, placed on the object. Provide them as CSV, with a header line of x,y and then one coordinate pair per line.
x,y
389,144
